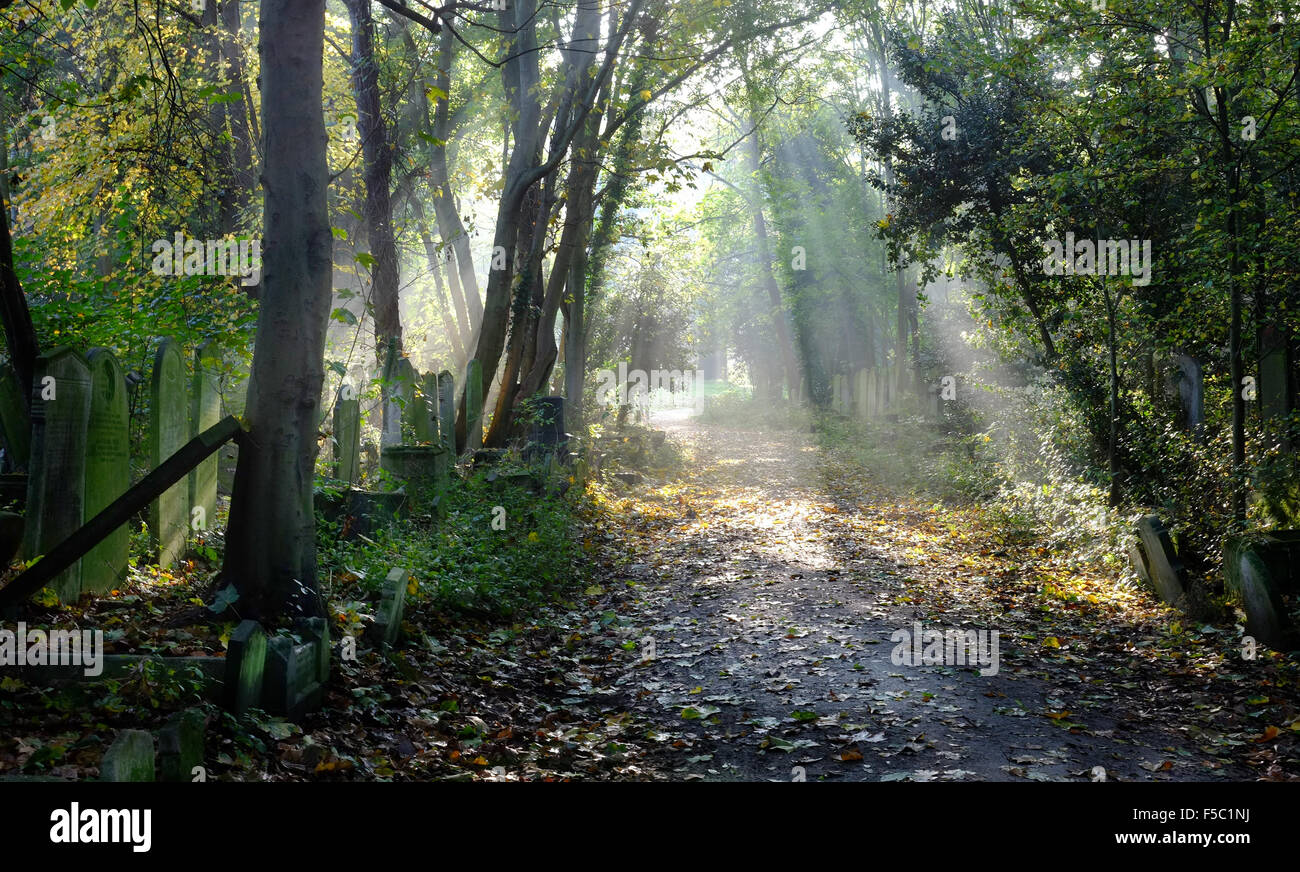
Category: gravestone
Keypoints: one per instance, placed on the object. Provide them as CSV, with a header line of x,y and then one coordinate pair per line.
x,y
388,620
15,423
837,393
407,381
390,430
129,758
1260,572
1162,563
1191,390
205,412
872,387
168,426
424,427
860,378
423,470
447,410
56,484
473,406
1274,373
292,684
546,434
180,745
108,469
245,667
347,436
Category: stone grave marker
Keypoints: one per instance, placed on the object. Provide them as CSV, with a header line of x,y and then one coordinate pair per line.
x,y
205,412
108,469
392,604
1191,390
56,484
245,667
347,436
447,410
1260,571
473,406
1162,563
1274,373
407,381
424,425
168,425
180,745
129,758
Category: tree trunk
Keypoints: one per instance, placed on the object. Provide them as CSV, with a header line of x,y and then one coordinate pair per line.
x,y
377,176
270,543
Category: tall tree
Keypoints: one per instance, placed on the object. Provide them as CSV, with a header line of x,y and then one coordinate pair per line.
x,y
270,542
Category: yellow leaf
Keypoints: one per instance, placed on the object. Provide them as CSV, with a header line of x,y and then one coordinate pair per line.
x,y
1051,642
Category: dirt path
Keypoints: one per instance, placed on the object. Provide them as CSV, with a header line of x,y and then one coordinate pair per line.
x,y
757,599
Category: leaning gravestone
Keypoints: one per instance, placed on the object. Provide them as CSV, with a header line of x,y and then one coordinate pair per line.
x,y
205,412
447,410
392,604
1260,572
15,423
168,425
108,468
56,485
347,436
245,667
473,406
1162,563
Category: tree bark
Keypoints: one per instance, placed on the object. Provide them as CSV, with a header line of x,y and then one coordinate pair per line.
x,y
270,543
377,178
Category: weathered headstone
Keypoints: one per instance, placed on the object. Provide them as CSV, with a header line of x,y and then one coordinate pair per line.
x,y
129,758
168,426
108,469
860,378
391,608
1260,571
408,396
473,406
205,412
424,426
292,685
390,431
180,745
872,389
447,410
15,423
347,436
245,666
1162,562
1274,373
56,485
1191,390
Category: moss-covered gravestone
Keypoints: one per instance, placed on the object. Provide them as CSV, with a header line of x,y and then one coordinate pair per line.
x,y
1162,562
56,483
347,436
108,468
424,424
168,429
129,758
1259,571
205,412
